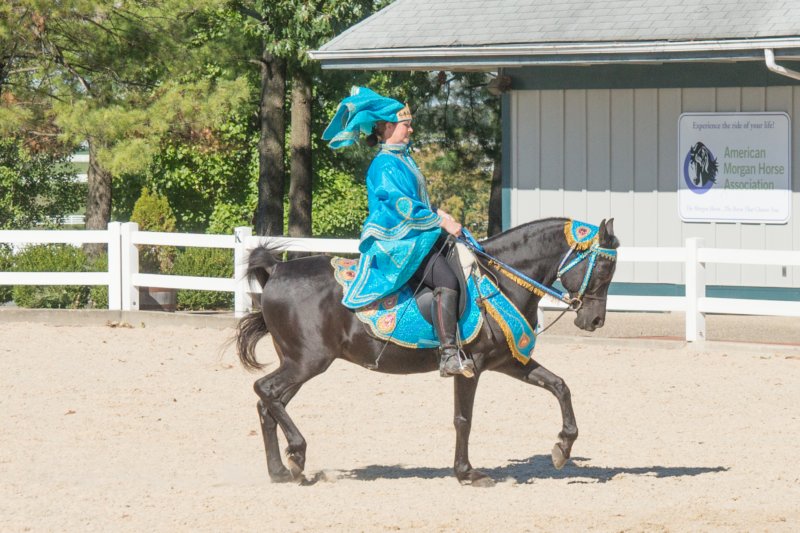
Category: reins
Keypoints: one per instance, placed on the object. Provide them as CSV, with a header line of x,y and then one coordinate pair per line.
x,y
531,285
535,287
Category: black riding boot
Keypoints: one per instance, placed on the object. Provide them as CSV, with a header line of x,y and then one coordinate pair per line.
x,y
445,320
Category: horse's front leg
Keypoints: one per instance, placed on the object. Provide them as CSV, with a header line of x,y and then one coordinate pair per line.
x,y
536,374
464,402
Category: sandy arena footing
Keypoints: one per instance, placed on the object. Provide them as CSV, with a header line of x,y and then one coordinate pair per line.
x,y
150,425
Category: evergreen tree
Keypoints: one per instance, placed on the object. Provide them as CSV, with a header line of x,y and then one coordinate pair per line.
x,y
110,74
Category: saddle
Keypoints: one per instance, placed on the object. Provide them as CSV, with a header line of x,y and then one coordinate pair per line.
x,y
405,319
462,262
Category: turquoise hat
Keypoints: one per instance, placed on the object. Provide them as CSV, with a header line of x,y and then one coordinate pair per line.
x,y
358,113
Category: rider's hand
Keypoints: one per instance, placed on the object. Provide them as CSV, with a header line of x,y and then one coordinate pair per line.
x,y
444,214
451,226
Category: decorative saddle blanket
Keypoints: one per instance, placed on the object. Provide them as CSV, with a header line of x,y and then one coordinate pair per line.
x,y
397,318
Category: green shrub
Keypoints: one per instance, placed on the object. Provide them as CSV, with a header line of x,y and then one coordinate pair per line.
x,y
51,258
153,213
36,186
6,264
339,205
205,262
226,217
98,294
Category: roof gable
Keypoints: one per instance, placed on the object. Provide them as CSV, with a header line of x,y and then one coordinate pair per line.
x,y
422,23
500,33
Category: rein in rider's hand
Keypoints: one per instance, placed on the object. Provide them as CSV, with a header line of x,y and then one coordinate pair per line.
x,y
449,224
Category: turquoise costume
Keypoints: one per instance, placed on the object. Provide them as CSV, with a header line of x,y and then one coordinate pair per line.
x,y
401,227
358,113
400,230
399,233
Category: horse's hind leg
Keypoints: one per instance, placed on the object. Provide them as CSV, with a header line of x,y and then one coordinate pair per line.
x,y
538,375
277,471
275,391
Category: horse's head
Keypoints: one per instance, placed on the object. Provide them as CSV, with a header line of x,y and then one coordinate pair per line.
x,y
703,165
588,279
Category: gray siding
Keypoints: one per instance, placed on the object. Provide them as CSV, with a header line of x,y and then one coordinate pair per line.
x,y
597,153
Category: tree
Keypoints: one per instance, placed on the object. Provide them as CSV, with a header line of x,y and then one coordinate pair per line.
x,y
190,98
35,188
272,138
95,55
288,29
265,21
469,117
112,75
313,26
301,176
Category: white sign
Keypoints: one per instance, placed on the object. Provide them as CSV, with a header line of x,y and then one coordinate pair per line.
x,y
734,167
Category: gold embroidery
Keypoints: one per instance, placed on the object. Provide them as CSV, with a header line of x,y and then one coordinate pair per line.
x,y
516,279
404,114
571,240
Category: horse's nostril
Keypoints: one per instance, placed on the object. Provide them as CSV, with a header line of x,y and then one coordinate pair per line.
x,y
597,322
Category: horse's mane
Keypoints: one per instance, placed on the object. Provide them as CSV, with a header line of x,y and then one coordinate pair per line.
x,y
542,221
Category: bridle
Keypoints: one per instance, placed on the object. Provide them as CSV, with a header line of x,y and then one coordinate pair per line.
x,y
591,253
573,303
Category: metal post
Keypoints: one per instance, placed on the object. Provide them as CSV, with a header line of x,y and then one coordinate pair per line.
x,y
242,302
130,266
695,290
114,266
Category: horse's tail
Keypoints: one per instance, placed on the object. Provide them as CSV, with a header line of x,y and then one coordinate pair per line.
x,y
253,327
262,264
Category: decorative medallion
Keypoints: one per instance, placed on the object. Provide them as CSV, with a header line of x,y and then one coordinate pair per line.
x,y
580,235
386,323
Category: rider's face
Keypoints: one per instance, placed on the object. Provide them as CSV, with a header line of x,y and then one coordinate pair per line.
x,y
398,132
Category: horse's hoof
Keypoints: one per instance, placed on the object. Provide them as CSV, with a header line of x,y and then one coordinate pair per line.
x,y
282,476
295,466
305,482
483,482
559,458
477,479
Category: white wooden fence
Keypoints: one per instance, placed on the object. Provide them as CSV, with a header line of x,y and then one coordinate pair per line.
x,y
123,278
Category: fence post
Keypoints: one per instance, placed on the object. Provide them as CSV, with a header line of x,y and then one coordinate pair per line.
x,y
114,266
129,255
695,290
242,304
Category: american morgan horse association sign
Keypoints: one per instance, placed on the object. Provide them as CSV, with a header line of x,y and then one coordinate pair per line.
x,y
734,167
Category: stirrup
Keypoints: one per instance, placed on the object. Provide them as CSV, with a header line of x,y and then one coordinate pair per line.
x,y
465,367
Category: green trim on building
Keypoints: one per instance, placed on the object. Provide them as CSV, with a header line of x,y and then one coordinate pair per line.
x,y
784,294
667,75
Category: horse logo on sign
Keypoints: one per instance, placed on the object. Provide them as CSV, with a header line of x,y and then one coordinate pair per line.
x,y
700,168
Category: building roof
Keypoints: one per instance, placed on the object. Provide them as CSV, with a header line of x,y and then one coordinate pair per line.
x,y
495,33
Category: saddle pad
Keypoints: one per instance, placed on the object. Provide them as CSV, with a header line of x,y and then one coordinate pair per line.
x,y
520,336
397,319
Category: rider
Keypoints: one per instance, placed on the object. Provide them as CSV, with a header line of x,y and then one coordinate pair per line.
x,y
403,236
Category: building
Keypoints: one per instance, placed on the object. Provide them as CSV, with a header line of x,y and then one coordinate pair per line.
x,y
594,95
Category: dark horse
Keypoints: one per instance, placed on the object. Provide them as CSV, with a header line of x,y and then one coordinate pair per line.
x,y
300,306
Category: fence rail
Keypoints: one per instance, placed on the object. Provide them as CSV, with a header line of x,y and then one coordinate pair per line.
x,y
123,278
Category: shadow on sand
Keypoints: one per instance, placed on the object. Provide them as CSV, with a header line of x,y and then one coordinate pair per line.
x,y
533,468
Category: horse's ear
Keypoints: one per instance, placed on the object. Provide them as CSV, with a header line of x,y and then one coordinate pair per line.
x,y
605,235
610,227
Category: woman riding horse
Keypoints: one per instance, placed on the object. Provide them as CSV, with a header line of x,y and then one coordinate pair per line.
x,y
403,237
